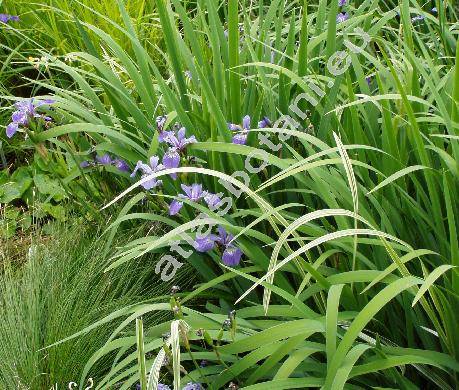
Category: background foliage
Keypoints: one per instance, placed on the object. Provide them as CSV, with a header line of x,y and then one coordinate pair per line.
x,y
360,204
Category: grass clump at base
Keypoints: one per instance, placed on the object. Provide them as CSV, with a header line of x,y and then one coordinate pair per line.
x,y
60,289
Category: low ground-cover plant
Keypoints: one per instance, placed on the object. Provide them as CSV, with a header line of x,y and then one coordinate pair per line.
x,y
347,218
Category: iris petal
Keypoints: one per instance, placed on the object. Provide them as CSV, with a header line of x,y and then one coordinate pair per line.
x,y
171,159
205,244
11,129
231,256
175,207
246,122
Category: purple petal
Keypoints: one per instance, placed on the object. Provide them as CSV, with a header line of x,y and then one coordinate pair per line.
x,y
193,192
193,386
164,136
22,104
171,159
85,164
246,122
191,140
196,192
342,17
181,133
154,160
173,142
342,3
240,139
224,237
221,231
234,127
183,143
43,102
20,117
231,256
205,244
11,129
144,168
5,18
265,122
121,165
104,160
212,200
187,190
175,207
152,183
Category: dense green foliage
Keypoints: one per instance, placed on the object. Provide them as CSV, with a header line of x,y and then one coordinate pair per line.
x,y
348,230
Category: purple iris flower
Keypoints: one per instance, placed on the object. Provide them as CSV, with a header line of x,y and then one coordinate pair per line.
x,y
121,165
177,141
205,243
241,137
193,386
171,159
85,164
232,254
265,122
368,80
104,159
342,3
148,170
193,193
29,106
342,17
25,111
5,18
